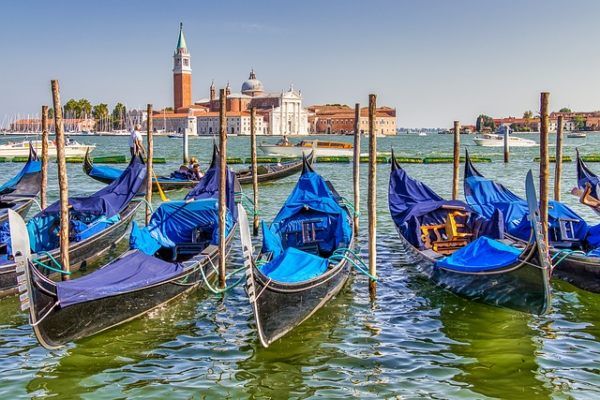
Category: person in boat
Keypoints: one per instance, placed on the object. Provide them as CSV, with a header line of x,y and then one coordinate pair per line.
x,y
196,172
284,141
585,196
135,140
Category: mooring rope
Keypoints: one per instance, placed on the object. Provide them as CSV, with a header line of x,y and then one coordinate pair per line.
x,y
58,267
561,255
357,261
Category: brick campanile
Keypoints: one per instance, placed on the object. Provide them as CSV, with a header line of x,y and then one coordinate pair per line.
x,y
182,74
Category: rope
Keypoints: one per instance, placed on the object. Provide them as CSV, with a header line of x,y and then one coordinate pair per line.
x,y
563,254
341,254
227,287
350,205
58,267
143,200
248,203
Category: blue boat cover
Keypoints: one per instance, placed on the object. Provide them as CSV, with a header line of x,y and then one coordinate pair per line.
x,y
105,172
133,271
413,204
177,222
27,182
208,186
312,200
483,254
295,265
485,196
107,202
586,176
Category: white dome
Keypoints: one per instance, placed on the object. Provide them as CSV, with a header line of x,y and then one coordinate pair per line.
x,y
252,85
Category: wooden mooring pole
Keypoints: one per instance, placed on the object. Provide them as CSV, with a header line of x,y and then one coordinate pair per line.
x,y
544,163
507,145
222,184
186,144
356,166
63,183
44,157
149,164
559,156
372,195
254,170
456,166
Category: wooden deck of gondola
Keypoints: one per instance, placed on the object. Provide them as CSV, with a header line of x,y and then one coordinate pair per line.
x,y
82,253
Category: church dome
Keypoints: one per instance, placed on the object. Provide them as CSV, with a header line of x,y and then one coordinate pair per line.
x,y
252,85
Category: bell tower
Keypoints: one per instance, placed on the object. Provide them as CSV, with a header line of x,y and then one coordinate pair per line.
x,y
182,74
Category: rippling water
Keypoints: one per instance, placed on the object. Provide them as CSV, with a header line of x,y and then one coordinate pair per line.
x,y
413,340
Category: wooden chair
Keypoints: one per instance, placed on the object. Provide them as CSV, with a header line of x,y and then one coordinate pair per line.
x,y
447,237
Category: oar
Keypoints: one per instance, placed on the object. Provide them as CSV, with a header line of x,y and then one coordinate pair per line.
x,y
163,197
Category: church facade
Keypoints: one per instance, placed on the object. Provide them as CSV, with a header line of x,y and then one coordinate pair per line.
x,y
277,113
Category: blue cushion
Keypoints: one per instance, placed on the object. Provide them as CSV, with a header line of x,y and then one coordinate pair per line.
x,y
483,254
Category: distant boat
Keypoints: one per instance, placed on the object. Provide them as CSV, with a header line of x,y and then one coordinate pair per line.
x,y
494,140
21,149
322,148
577,135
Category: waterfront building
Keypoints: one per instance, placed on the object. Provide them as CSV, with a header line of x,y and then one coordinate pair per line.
x,y
182,74
339,119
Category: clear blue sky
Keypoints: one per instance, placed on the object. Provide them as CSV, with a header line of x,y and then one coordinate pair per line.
x,y
435,61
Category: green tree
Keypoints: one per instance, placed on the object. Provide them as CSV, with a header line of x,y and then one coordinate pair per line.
x,y
71,109
100,113
168,109
565,110
528,114
85,108
484,121
118,116
579,121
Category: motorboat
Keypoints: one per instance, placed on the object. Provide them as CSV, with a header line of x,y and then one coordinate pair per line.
x,y
495,140
21,149
577,135
322,148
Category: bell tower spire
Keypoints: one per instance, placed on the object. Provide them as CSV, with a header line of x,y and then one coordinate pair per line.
x,y
182,73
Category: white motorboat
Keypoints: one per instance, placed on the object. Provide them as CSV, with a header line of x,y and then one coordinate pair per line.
x,y
494,140
322,148
577,135
21,149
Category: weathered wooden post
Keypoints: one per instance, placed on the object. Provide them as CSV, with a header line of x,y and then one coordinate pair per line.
x,y
356,166
254,169
44,156
372,195
507,145
456,167
544,161
222,185
149,164
186,155
559,156
63,183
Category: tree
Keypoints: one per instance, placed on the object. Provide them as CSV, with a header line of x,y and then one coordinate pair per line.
x,y
118,116
579,121
85,108
168,109
484,121
100,114
528,114
565,110
71,109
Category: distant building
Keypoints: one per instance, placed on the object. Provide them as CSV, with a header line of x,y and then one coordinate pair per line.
x,y
70,125
339,118
278,113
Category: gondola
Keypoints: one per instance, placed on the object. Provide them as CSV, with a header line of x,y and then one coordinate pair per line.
x,y
266,173
304,259
97,224
19,192
462,251
574,245
588,183
167,258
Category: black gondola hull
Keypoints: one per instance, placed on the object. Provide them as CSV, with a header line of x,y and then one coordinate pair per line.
x,y
524,286
81,254
580,271
22,207
279,308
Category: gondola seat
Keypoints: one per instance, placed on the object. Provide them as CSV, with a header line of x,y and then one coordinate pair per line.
x,y
483,254
447,237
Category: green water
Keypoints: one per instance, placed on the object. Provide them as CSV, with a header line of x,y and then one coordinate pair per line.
x,y
412,341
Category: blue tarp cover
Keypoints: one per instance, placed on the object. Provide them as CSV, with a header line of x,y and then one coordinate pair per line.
x,y
483,254
486,196
311,199
107,202
27,182
176,222
413,204
585,176
134,271
105,172
295,265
